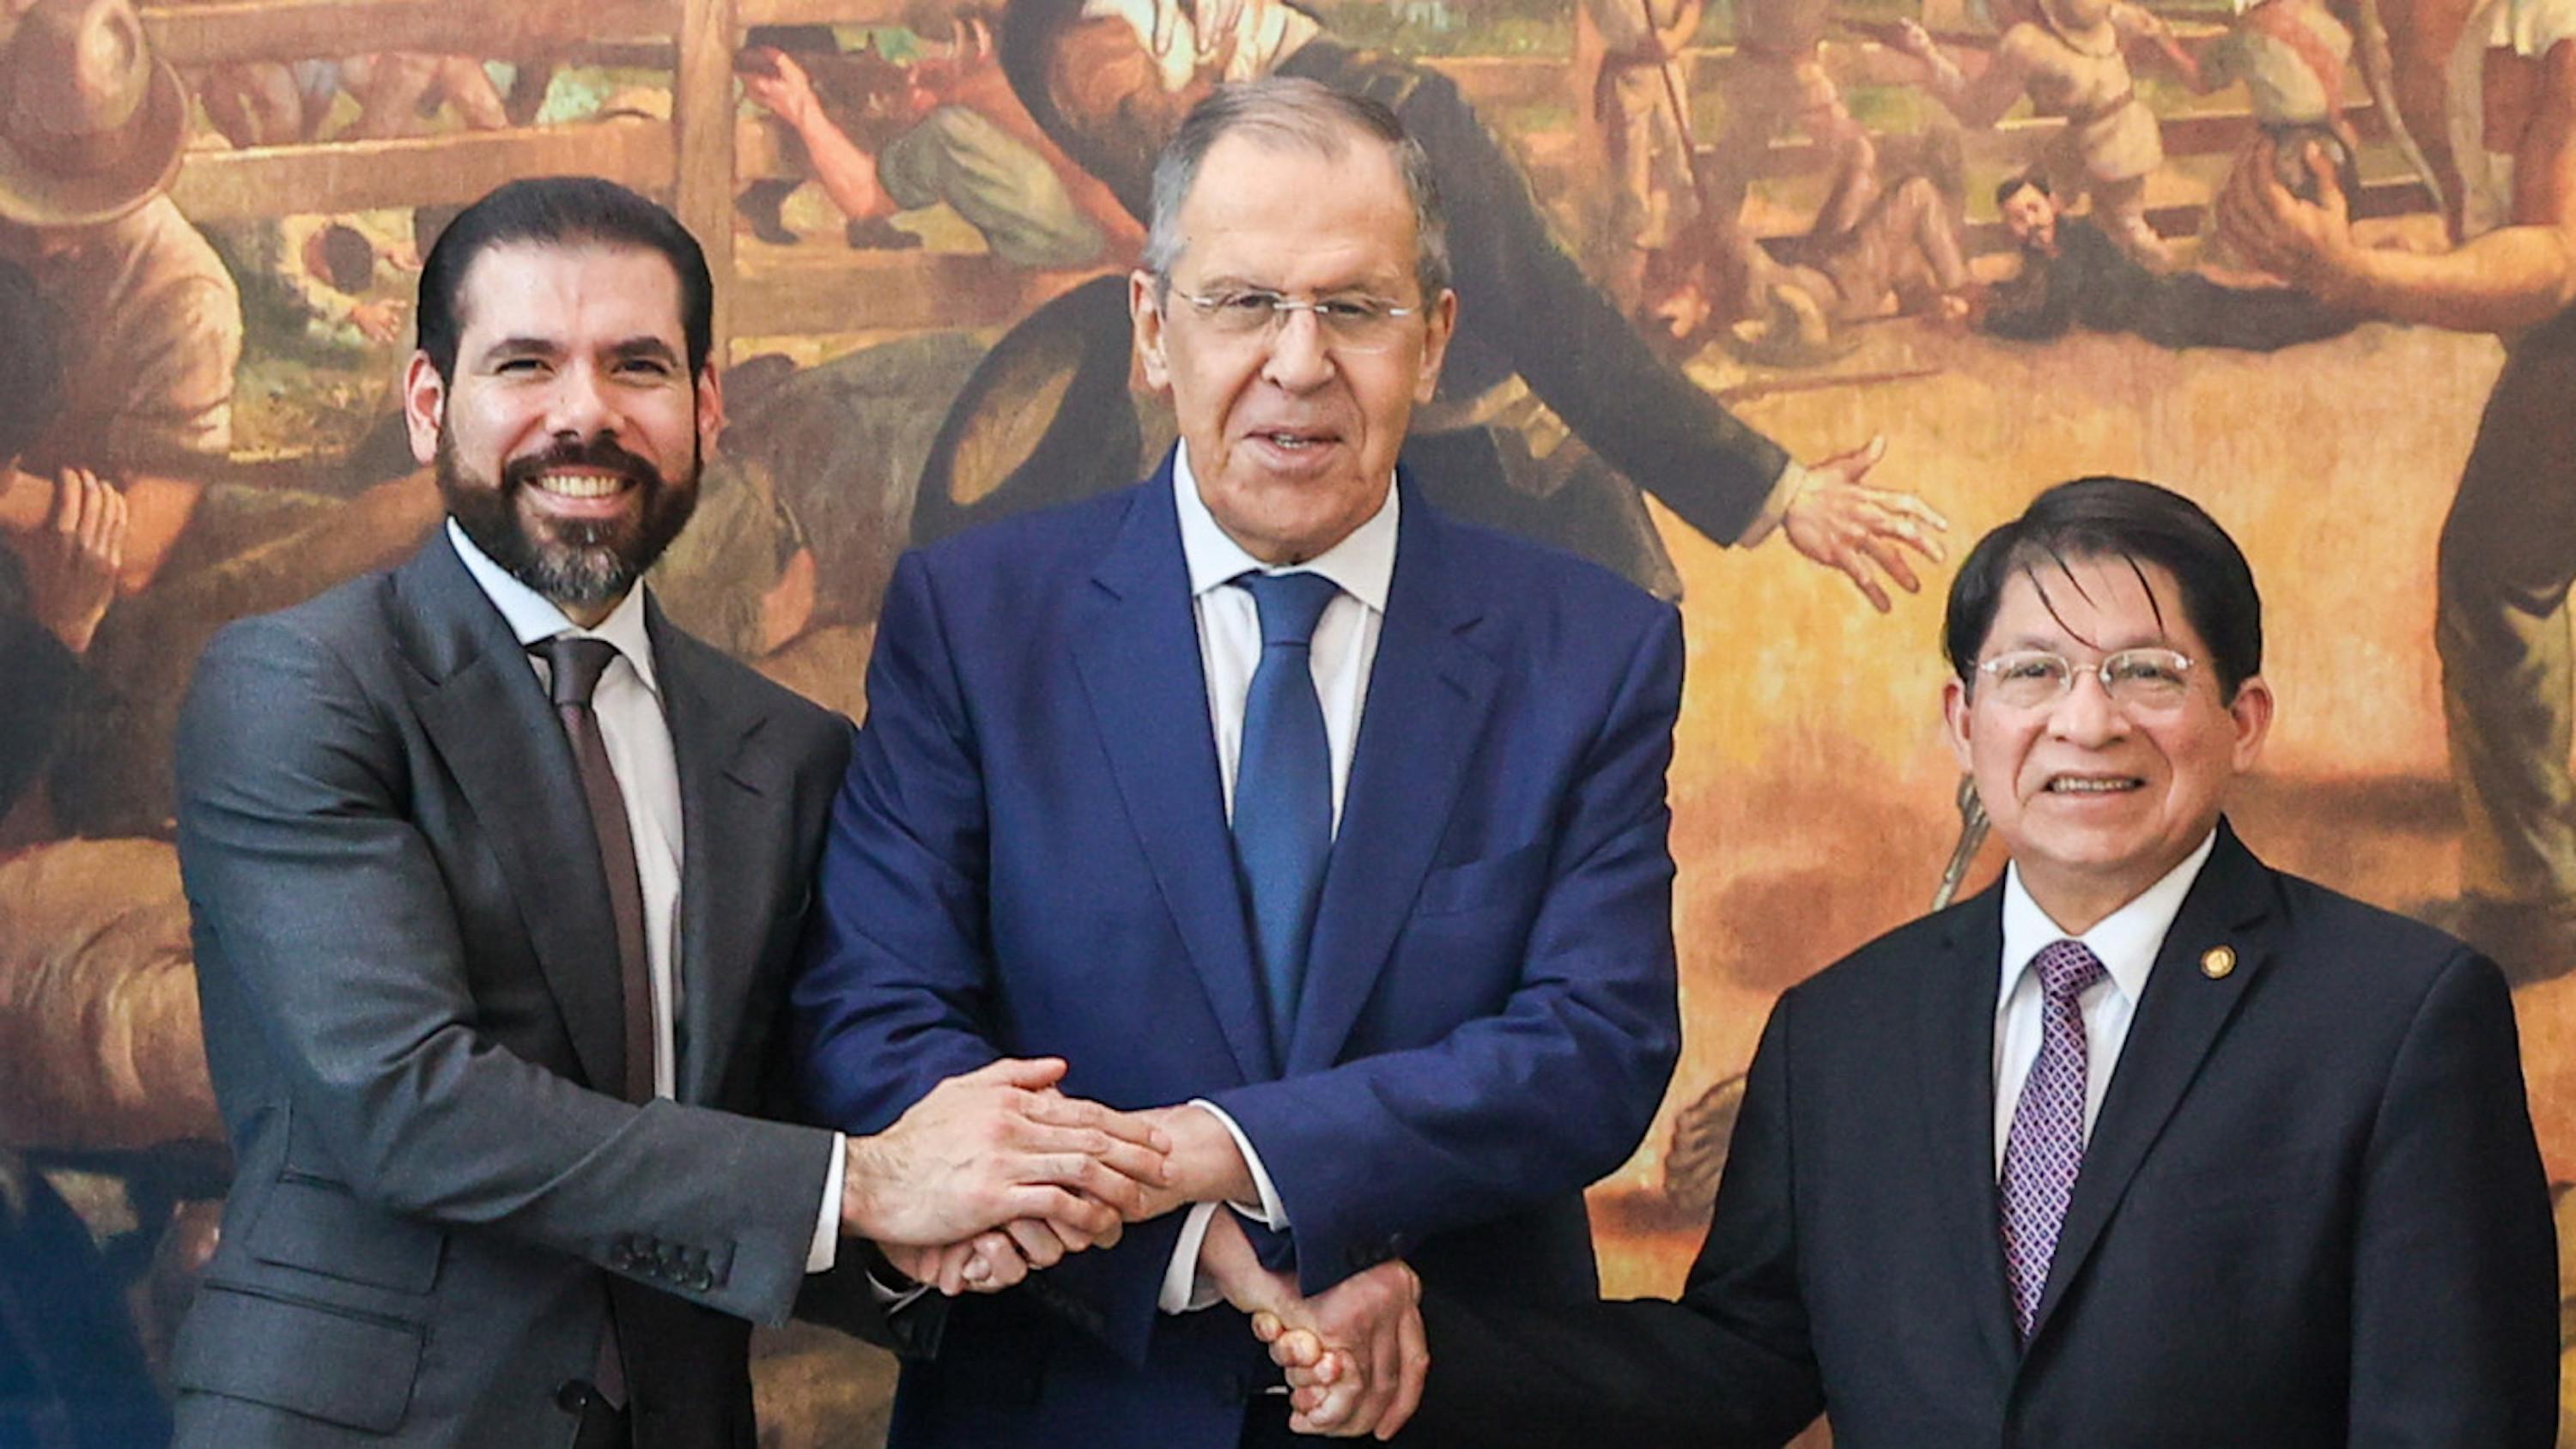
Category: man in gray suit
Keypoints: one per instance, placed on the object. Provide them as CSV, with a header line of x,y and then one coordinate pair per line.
x,y
494,875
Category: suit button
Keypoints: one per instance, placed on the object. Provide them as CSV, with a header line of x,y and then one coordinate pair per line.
x,y
573,1395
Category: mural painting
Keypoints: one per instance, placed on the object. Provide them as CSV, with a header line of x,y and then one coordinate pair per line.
x,y
2306,260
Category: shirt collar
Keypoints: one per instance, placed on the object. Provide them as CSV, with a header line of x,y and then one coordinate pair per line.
x,y
2125,941
533,617
1362,565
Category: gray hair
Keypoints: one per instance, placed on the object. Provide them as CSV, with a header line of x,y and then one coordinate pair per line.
x,y
1292,111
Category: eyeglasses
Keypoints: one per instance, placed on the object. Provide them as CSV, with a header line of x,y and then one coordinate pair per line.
x,y
1358,323
2134,679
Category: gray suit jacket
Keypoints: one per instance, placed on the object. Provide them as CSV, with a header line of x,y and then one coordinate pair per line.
x,y
408,974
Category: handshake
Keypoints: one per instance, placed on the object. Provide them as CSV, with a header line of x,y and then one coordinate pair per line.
x,y
996,1173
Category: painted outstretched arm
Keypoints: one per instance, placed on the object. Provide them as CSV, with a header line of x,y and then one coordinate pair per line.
x,y
1980,102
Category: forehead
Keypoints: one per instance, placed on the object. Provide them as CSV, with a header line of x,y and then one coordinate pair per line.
x,y
1280,211
572,293
2099,602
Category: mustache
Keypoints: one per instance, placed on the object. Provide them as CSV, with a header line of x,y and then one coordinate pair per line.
x,y
601,452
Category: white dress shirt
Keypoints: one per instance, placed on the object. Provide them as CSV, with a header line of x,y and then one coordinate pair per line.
x,y
2125,942
628,702
1343,651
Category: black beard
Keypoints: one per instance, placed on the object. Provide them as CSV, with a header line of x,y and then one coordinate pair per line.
x,y
575,565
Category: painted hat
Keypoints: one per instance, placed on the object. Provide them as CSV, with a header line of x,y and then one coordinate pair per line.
x,y
92,124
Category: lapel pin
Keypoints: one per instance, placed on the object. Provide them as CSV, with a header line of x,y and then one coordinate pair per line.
x,y
2217,961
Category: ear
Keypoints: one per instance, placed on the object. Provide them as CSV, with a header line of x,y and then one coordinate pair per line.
x,y
2251,711
1147,315
424,395
1443,320
1956,711
711,411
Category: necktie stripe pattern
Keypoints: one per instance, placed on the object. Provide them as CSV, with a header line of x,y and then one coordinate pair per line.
x,y
2045,1147
1283,790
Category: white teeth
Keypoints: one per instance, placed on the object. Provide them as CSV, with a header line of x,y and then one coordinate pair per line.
x,y
579,485
1289,440
2091,787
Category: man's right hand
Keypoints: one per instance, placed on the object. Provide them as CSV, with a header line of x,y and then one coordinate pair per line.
x,y
995,1145
1355,1354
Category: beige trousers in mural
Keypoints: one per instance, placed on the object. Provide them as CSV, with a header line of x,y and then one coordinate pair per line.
x,y
2508,555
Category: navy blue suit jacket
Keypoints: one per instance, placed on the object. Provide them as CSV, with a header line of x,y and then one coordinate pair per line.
x,y
1030,857
2311,1214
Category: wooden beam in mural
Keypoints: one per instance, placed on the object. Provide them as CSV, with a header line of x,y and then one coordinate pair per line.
x,y
817,12
417,170
702,111
871,291
222,30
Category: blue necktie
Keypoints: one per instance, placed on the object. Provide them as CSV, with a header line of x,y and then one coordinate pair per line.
x,y
1283,790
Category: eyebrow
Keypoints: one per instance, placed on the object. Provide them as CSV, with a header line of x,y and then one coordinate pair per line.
x,y
521,347
646,348
652,349
1229,283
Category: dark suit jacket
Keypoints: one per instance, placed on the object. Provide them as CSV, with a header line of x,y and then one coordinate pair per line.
x,y
408,974
2311,1213
1030,856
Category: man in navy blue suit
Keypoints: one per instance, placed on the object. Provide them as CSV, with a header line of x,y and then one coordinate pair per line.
x,y
1263,794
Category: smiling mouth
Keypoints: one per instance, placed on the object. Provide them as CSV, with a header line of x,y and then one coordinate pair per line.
x,y
582,485
2093,784
1295,442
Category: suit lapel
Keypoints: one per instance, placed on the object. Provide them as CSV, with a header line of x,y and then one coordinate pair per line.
x,y
726,805
1427,697
1137,651
481,704
2177,1023
1955,1016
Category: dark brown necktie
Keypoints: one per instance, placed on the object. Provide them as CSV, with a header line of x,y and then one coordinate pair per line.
x,y
573,668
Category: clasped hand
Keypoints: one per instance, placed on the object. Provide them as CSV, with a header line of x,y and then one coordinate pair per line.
x,y
1354,1355
994,1173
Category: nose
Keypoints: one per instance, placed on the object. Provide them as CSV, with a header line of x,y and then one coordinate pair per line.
x,y
2086,713
579,405
1298,361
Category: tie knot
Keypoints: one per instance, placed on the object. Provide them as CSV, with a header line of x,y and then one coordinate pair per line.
x,y
574,665
2066,968
1289,604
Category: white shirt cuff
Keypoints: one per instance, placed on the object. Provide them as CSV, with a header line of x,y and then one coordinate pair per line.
x,y
826,1248
1271,1213
1793,477
892,1300
1182,1290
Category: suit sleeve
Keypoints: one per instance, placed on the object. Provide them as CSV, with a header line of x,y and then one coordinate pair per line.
x,y
1730,1364
1570,343
895,987
318,903
895,992
2454,1277
1552,1090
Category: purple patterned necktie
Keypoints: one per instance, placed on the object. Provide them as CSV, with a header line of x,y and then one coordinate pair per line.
x,y
2046,1144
